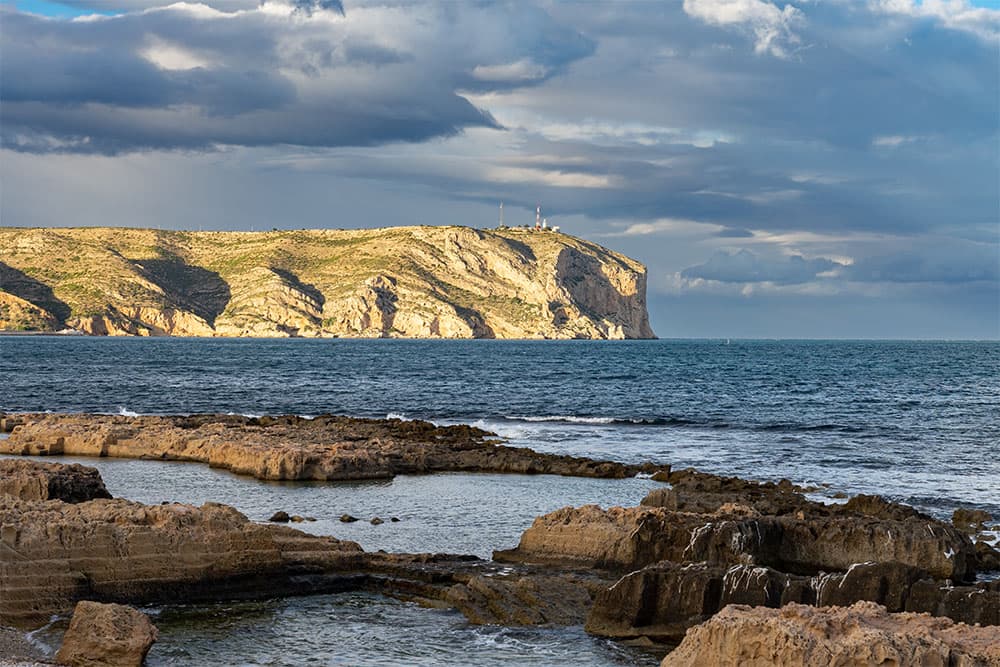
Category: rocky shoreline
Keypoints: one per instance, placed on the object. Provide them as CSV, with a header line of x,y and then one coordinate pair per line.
x,y
324,448
705,561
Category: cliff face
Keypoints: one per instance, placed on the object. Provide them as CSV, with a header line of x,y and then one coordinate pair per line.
x,y
416,282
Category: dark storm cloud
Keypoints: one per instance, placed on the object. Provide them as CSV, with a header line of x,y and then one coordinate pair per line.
x,y
746,267
305,73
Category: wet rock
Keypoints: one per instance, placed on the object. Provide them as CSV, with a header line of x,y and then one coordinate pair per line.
x,y
287,447
631,538
106,635
532,599
887,584
347,518
987,558
858,636
967,604
970,520
32,480
280,517
394,519
659,602
295,518
376,521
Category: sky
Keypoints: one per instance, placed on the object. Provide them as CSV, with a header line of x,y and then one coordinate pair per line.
x,y
802,169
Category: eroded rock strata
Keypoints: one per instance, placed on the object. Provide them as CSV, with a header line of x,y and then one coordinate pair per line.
x,y
293,448
707,541
646,572
861,635
414,282
30,480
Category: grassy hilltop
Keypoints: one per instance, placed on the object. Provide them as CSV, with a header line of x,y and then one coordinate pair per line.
x,y
451,282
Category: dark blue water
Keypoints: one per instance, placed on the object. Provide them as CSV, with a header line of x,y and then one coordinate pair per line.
x,y
918,421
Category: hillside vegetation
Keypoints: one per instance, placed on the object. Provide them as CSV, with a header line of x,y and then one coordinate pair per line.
x,y
448,282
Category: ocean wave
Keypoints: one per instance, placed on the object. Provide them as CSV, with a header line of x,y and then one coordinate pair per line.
x,y
124,412
602,421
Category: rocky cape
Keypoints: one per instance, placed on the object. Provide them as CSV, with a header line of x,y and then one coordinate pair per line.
x,y
408,282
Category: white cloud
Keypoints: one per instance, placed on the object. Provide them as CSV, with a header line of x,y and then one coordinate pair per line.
x,y
954,14
169,56
771,26
892,141
554,178
524,69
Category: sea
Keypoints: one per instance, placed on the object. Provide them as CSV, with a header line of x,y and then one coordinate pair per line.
x,y
914,421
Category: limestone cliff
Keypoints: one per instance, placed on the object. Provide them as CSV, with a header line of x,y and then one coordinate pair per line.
x,y
414,282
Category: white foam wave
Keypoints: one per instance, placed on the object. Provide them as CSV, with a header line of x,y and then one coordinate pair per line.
x,y
572,419
126,413
398,415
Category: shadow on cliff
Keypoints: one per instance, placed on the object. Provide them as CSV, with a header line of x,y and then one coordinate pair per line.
x,y
193,288
582,276
33,291
295,282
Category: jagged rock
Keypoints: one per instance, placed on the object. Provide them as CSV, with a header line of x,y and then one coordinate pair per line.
x,y
106,635
526,599
861,635
970,520
53,554
987,557
432,281
347,518
376,521
887,584
275,448
31,480
630,538
659,602
968,604
280,517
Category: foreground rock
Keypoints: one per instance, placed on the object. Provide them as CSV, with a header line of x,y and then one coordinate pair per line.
x,y
54,554
707,542
31,480
106,635
293,448
858,636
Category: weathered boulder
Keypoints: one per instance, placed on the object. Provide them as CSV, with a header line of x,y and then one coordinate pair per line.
x,y
31,480
967,604
106,635
288,447
970,520
526,599
659,602
987,557
618,538
631,538
887,584
53,554
861,635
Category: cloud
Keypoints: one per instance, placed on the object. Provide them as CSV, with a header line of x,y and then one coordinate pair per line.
x,y
300,72
747,267
772,27
953,14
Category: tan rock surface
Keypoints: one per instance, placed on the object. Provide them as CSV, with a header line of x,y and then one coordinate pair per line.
x,y
53,554
440,282
275,448
32,480
106,635
862,635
